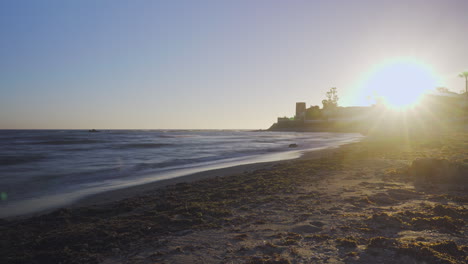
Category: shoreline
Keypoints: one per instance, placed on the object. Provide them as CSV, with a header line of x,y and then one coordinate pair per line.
x,y
146,188
114,195
358,203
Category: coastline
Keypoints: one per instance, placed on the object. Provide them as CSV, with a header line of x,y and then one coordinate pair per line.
x,y
103,169
353,204
136,173
147,188
115,195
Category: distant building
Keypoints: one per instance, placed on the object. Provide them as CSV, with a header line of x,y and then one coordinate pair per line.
x,y
283,119
300,110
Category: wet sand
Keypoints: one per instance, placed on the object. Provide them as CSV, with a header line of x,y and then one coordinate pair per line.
x,y
119,194
355,204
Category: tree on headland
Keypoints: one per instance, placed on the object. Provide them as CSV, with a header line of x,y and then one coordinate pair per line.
x,y
332,99
330,104
465,75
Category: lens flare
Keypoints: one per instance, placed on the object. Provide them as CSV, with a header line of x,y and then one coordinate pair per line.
x,y
399,83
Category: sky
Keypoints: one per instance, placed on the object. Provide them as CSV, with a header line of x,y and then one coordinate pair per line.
x,y
112,64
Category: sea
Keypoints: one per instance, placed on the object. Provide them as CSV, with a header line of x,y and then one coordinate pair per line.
x,y
44,169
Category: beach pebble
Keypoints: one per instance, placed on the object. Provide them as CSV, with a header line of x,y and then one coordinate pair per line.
x,y
317,223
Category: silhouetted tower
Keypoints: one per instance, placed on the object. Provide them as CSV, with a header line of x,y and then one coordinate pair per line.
x,y
300,110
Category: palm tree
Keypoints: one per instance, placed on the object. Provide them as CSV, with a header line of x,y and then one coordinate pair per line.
x,y
461,75
465,75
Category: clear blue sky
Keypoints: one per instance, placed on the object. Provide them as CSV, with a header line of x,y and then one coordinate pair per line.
x,y
208,64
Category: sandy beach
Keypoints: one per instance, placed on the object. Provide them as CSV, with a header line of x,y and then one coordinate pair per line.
x,y
356,204
234,132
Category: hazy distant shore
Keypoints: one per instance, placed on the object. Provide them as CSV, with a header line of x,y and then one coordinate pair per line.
x,y
354,204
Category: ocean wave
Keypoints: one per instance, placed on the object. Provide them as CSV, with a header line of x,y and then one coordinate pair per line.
x,y
143,145
176,163
178,136
66,142
14,160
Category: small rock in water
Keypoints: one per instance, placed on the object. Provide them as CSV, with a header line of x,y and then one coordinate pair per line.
x,y
293,145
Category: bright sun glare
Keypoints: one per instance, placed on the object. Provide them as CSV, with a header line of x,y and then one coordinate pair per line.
x,y
400,83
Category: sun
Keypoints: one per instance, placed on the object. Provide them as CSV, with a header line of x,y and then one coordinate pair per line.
x,y
400,83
